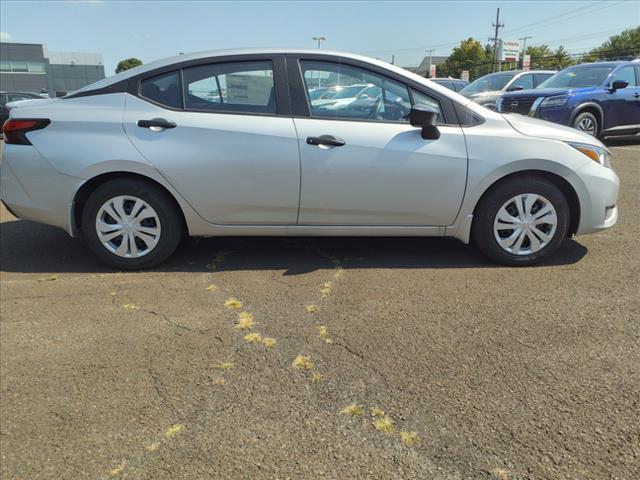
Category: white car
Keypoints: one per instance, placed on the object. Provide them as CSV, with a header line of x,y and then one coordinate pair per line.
x,y
487,89
342,96
135,161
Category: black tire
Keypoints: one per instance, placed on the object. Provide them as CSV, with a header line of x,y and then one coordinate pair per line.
x,y
172,225
483,221
587,117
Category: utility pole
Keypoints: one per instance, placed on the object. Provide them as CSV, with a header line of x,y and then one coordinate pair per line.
x,y
319,39
524,48
497,26
430,51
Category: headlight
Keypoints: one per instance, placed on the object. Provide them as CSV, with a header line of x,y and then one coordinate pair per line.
x,y
597,154
554,101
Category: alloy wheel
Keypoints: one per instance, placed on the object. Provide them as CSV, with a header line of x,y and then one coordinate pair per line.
x,y
128,226
525,224
587,125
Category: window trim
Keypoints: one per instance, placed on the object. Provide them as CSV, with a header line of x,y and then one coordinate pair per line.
x,y
300,103
280,83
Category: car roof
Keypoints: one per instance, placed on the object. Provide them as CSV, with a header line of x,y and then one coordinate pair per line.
x,y
147,67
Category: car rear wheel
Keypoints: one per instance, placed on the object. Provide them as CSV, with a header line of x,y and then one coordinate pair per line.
x,y
586,122
131,224
521,221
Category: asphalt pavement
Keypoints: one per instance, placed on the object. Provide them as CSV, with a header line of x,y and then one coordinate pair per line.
x,y
305,358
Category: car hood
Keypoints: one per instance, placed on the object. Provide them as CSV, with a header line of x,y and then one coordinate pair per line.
x,y
482,95
534,127
547,92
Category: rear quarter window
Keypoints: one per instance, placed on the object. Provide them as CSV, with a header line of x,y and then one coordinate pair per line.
x,y
163,89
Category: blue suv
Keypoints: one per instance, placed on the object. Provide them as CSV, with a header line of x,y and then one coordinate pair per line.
x,y
602,99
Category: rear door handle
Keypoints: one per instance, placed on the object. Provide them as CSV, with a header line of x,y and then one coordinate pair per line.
x,y
157,122
328,140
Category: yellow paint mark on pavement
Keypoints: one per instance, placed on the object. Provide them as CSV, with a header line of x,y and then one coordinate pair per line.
x,y
174,430
501,473
130,306
233,303
384,424
302,362
324,333
269,342
226,365
245,321
253,337
114,472
212,288
152,447
312,308
353,410
410,438
52,278
377,412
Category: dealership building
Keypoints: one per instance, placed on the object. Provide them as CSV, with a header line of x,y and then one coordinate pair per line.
x,y
30,67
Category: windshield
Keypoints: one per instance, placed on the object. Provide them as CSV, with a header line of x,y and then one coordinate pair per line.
x,y
578,77
347,92
489,83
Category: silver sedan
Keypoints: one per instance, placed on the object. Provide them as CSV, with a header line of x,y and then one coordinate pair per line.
x,y
229,143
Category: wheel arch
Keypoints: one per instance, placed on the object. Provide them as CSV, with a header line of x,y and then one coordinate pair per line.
x,y
589,107
90,185
563,185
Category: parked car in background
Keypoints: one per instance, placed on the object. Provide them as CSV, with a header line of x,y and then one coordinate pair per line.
x,y
454,84
601,99
7,97
134,162
340,96
487,89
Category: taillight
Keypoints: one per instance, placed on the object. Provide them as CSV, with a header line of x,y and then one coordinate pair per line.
x,y
15,129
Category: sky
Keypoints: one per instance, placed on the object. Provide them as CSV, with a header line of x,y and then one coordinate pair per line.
x,y
154,29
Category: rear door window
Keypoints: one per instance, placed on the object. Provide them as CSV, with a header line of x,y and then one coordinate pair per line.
x,y
163,89
244,87
524,81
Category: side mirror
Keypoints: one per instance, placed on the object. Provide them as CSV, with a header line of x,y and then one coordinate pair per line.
x,y
515,88
618,84
425,118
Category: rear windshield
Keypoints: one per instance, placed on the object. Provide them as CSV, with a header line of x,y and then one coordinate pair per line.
x,y
584,76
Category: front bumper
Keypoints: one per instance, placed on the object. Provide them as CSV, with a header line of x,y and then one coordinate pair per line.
x,y
33,190
599,202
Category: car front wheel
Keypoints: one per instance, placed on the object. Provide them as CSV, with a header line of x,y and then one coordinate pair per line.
x,y
131,224
521,221
587,123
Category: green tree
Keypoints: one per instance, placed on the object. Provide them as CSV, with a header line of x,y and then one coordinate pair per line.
x,y
626,44
127,64
540,56
561,58
469,55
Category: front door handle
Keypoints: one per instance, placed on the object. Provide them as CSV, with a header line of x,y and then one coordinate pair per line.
x,y
156,122
327,140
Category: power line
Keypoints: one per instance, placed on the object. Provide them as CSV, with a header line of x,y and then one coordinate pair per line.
x,y
554,17
564,17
